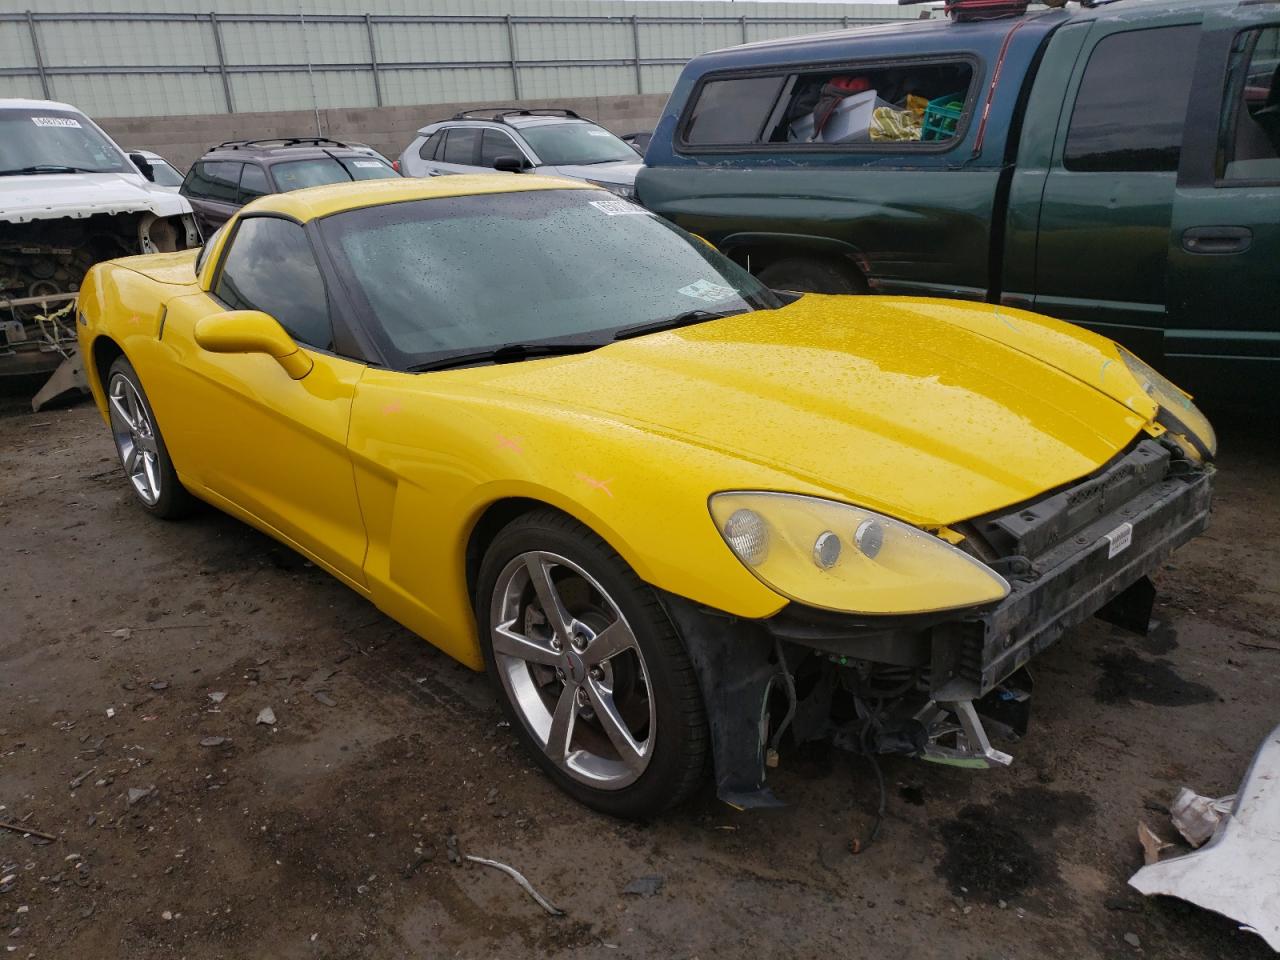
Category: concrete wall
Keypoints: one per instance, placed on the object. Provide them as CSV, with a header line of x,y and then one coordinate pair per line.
x,y
114,58
387,129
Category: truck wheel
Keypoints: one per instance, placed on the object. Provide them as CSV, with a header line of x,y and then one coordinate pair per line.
x,y
143,454
812,275
595,681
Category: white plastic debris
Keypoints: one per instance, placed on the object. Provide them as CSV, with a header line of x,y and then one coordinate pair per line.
x,y
1197,817
1234,874
267,715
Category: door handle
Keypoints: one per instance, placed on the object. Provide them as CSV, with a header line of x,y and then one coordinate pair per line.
x,y
1217,240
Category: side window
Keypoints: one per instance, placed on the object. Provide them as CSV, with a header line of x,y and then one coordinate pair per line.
x,y
253,183
1251,115
1132,102
904,103
367,168
214,180
269,266
206,247
732,111
428,149
461,145
495,144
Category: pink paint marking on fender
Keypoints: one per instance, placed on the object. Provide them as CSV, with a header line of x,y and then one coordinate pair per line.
x,y
512,443
390,408
596,484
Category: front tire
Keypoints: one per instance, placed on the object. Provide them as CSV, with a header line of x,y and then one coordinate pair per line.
x,y
594,679
141,447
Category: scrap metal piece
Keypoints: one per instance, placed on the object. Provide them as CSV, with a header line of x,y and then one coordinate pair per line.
x,y
68,377
518,877
1235,873
961,721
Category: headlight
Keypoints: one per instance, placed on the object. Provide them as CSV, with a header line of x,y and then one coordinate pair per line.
x,y
1177,413
839,557
625,190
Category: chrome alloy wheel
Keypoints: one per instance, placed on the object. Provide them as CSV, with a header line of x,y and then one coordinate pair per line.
x,y
135,436
570,664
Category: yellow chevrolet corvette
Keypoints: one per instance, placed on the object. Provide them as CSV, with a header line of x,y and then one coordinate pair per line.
x,y
676,515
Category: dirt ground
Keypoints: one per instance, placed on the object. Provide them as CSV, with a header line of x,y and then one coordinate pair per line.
x,y
183,828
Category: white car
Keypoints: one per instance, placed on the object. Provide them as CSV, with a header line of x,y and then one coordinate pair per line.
x,y
69,197
156,169
513,140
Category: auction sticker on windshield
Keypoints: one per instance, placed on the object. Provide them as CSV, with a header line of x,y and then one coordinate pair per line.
x,y
618,208
56,122
708,291
367,163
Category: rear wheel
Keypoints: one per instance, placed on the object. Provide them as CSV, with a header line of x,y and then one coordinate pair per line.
x,y
142,452
813,275
597,684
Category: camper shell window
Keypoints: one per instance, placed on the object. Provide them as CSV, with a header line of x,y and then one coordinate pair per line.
x,y
910,103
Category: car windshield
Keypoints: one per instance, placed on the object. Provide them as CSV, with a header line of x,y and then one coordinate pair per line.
x,y
63,141
317,171
561,144
165,175
471,273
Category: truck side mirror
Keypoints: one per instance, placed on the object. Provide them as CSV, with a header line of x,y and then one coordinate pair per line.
x,y
144,166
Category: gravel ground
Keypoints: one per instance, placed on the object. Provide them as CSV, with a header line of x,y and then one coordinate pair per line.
x,y
136,656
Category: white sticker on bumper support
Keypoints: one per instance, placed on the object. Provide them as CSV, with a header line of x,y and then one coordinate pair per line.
x,y
1118,540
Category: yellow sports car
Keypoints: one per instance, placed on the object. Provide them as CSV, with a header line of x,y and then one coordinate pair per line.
x,y
676,515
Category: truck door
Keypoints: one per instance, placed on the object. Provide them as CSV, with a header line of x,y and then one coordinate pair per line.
x,y
1103,237
1224,251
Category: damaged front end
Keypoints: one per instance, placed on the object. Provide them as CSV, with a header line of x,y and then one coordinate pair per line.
x,y
941,686
42,264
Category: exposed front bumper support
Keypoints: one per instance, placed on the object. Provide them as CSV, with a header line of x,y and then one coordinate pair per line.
x,y
1070,583
962,658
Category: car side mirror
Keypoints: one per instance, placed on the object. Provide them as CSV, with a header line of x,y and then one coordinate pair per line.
x,y
144,166
252,331
510,164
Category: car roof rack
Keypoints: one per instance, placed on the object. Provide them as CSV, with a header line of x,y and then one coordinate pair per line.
x,y
277,141
501,113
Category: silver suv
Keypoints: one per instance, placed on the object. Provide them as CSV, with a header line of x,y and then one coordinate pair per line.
x,y
510,139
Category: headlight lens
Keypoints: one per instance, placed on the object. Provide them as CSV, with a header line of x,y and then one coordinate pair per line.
x,y
1177,413
624,190
839,557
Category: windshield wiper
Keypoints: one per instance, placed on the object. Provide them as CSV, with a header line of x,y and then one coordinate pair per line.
x,y
47,168
686,319
506,353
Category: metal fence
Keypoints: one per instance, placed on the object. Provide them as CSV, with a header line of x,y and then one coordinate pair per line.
x,y
156,62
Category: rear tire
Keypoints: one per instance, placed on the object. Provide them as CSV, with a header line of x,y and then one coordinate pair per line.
x,y
142,450
812,275
608,652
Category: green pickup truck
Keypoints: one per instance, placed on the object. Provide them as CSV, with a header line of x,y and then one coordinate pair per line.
x,y
1116,165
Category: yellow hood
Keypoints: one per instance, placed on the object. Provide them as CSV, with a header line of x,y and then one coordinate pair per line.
x,y
928,410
